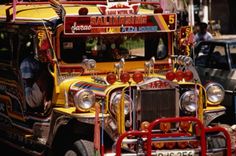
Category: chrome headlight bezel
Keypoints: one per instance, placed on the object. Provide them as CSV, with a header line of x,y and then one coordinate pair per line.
x,y
115,101
188,102
84,99
215,93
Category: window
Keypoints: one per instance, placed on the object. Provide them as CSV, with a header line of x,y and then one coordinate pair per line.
x,y
218,58
113,47
202,52
5,48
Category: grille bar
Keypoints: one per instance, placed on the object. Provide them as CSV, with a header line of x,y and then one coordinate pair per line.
x,y
158,103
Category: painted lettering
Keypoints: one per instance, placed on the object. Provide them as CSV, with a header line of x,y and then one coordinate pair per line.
x,y
76,27
118,20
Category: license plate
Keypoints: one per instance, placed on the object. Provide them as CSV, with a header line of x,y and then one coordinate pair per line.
x,y
175,153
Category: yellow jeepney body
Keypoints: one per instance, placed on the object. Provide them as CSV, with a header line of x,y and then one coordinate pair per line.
x,y
94,95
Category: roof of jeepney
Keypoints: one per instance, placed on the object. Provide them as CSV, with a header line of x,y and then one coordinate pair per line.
x,y
37,12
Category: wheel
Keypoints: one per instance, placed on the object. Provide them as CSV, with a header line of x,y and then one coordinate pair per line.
x,y
81,148
218,140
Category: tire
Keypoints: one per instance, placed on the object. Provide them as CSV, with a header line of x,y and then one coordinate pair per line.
x,y
81,148
218,140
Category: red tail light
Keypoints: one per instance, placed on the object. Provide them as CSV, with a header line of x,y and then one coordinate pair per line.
x,y
170,75
188,75
182,144
137,77
179,75
111,78
125,77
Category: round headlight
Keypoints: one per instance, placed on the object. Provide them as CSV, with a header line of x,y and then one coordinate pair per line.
x,y
115,101
215,93
188,102
84,99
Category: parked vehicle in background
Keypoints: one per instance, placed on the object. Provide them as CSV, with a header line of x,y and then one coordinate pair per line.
x,y
216,61
115,77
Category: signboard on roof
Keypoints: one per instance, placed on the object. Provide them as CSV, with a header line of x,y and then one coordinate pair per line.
x,y
110,24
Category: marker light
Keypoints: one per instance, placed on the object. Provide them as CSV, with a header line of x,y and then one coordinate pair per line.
x,y
194,143
165,126
179,75
124,77
158,145
83,11
188,75
185,125
170,75
144,126
111,78
170,145
182,144
137,77
158,9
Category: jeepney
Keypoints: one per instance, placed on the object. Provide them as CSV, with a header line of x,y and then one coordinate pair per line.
x,y
117,85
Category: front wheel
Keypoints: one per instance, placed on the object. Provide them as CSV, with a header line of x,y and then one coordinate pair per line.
x,y
81,148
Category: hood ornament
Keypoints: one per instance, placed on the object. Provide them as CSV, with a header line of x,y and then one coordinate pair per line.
x,y
149,67
119,67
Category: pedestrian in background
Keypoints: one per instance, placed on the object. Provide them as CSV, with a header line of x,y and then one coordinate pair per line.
x,y
202,34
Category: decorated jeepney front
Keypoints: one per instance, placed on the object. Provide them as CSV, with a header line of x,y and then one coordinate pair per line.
x,y
125,63
116,81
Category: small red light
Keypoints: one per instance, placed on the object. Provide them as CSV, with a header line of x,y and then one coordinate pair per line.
x,y
125,77
137,77
170,145
185,125
165,126
83,11
188,75
182,144
194,143
111,78
144,126
179,75
170,75
158,9
158,145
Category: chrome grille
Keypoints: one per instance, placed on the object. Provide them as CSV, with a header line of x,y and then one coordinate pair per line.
x,y
157,104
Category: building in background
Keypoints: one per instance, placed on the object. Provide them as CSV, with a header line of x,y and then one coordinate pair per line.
x,y
220,14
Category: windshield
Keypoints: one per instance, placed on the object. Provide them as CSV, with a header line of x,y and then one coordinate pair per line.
x,y
109,48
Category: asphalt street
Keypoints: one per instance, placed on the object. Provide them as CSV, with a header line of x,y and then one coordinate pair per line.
x,y
9,151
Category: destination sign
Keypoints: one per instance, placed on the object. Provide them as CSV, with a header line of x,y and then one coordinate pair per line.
x,y
105,24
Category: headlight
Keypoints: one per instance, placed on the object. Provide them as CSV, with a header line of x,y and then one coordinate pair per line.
x,y
188,102
215,93
115,101
84,99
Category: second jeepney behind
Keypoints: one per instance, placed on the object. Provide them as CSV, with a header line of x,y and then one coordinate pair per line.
x,y
114,72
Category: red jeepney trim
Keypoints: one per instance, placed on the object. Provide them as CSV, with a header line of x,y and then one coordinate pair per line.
x,y
201,131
